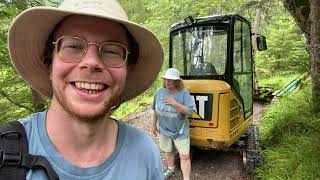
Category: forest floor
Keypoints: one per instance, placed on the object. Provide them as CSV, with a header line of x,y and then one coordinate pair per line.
x,y
206,164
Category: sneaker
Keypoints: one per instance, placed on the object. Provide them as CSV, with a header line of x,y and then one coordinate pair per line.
x,y
169,173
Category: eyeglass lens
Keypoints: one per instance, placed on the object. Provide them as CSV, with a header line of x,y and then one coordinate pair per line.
x,y
73,50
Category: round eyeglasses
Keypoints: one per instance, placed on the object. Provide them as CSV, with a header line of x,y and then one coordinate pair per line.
x,y
73,49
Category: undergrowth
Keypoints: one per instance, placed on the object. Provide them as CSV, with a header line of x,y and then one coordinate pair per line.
x,y
290,138
136,105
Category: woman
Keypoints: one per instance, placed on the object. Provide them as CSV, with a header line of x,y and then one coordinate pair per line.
x,y
172,105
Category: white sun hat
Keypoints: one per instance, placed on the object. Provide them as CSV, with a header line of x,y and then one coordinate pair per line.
x,y
172,74
30,30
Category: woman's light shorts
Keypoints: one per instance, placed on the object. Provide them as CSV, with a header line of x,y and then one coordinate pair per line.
x,y
167,144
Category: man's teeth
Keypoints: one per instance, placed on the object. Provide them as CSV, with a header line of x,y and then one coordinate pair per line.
x,y
89,86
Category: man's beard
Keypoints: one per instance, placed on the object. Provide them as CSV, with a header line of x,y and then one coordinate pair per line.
x,y
100,115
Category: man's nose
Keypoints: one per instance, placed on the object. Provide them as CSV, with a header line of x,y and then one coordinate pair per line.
x,y
91,60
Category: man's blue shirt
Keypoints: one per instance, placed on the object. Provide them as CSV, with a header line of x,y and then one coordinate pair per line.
x,y
135,156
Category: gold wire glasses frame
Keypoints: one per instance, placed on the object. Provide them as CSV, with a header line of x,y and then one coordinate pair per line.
x,y
73,49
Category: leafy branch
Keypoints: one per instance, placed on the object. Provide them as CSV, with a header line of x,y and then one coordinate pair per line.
x,y
13,102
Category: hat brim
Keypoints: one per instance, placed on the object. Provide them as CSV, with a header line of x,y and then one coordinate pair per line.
x,y
169,77
28,37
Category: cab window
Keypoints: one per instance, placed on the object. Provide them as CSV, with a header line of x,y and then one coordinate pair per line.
x,y
242,65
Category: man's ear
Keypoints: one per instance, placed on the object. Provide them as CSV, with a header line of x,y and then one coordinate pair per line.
x,y
50,71
50,77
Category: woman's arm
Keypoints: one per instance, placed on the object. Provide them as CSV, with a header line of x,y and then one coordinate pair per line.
x,y
180,107
154,124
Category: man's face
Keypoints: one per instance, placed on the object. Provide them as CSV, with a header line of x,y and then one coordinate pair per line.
x,y
87,90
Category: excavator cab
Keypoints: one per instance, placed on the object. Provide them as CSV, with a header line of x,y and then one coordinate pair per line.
x,y
214,57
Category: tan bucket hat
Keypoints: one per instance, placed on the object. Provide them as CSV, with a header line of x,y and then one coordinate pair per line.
x,y
29,33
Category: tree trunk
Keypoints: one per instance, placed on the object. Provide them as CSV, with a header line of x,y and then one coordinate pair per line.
x,y
300,10
256,26
38,102
255,30
315,53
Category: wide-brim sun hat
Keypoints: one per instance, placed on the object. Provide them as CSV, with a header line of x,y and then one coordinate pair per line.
x,y
30,30
172,74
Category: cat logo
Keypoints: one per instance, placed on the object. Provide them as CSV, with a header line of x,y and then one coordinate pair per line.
x,y
202,106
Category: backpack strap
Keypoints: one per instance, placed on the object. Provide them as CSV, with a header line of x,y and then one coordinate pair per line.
x,y
14,157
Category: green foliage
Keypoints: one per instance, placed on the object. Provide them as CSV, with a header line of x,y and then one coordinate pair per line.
x,y
136,105
296,158
290,136
279,80
286,47
16,100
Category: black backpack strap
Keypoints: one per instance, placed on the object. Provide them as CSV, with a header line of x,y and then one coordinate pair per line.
x,y
32,161
14,157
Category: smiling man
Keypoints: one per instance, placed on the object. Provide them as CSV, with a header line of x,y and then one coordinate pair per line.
x,y
88,58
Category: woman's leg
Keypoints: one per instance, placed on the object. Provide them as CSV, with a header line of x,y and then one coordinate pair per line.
x,y
170,159
166,145
183,147
185,166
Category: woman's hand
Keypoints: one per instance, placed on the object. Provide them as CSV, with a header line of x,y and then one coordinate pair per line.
x,y
180,107
154,130
170,101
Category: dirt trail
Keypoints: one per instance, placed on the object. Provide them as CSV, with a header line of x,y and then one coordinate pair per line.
x,y
206,165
